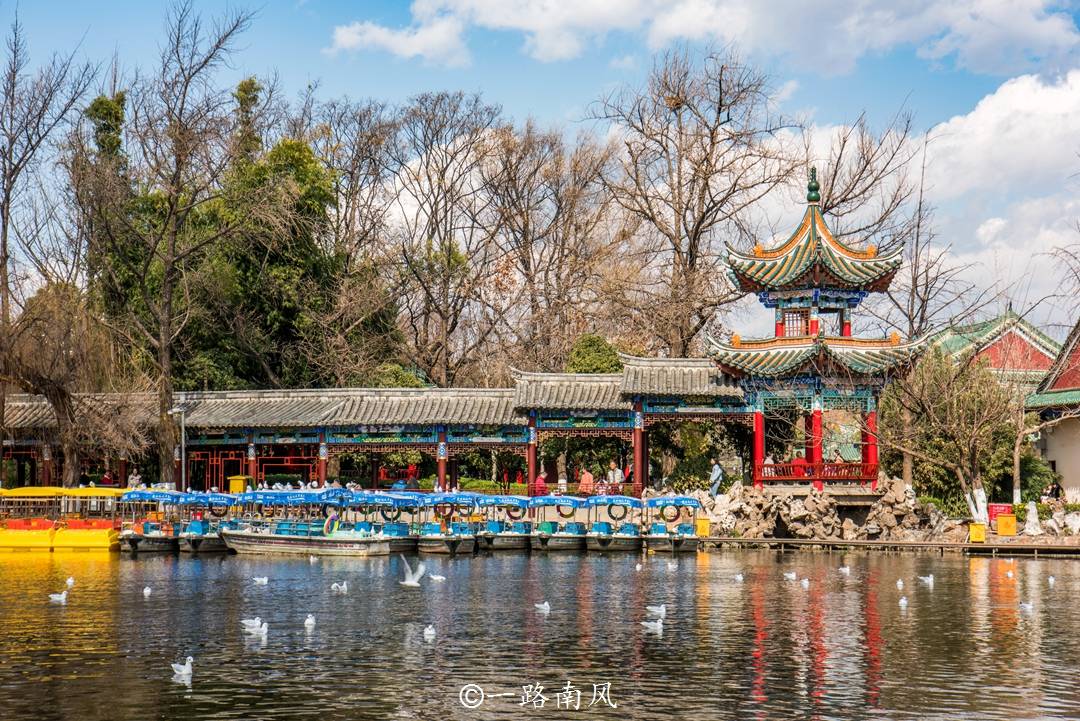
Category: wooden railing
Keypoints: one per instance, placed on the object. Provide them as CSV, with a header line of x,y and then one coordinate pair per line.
x,y
817,473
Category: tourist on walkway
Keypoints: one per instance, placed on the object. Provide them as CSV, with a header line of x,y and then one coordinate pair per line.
x,y
585,483
716,478
134,479
798,465
540,484
615,478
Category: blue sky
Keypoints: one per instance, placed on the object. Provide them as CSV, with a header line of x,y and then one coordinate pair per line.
x,y
998,80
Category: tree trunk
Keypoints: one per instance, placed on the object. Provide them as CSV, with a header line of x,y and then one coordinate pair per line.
x,y
908,471
1018,445
72,462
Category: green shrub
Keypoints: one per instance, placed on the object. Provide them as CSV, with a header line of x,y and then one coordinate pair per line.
x,y
952,507
1020,510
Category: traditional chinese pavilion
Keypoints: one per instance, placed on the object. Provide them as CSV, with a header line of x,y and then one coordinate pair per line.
x,y
813,364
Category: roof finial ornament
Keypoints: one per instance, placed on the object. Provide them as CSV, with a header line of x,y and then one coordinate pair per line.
x,y
812,188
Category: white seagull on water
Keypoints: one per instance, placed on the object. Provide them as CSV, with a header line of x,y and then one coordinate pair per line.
x,y
790,575
342,587
412,578
805,583
846,570
257,631
183,670
903,602
738,578
260,580
658,611
544,608
928,580
251,622
434,577
146,592
429,633
899,584
70,581
309,622
58,597
1051,580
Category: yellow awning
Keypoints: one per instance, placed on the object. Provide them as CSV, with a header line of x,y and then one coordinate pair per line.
x,y
33,492
93,492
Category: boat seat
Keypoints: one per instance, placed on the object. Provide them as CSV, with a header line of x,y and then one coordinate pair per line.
x,y
364,526
658,529
549,527
461,528
521,527
629,529
602,527
685,529
495,526
398,530
575,527
431,529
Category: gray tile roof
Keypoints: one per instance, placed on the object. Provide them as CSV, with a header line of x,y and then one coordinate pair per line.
x,y
596,391
33,412
460,406
675,377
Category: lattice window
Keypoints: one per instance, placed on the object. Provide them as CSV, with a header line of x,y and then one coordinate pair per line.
x,y
796,323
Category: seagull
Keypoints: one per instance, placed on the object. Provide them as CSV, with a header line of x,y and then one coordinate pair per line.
x,y
146,592
1025,607
251,622
846,570
1051,580
637,567
184,670
70,581
738,578
1008,574
903,602
412,578
789,575
671,565
313,559
805,583
429,634
544,608
658,611
928,580
656,626
433,577
899,584
342,587
260,580
58,597
309,622
257,631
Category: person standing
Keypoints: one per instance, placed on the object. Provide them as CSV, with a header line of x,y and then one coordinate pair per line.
x,y
540,485
716,478
615,478
585,483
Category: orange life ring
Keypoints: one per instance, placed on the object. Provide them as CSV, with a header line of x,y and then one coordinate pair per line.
x,y
666,517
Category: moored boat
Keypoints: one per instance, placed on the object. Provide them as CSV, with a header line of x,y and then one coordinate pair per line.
x,y
614,534
199,533
446,535
510,533
155,526
49,518
555,536
662,537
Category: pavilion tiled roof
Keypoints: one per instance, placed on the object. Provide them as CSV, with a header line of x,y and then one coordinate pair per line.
x,y
813,257
33,412
956,340
557,391
780,357
422,406
675,377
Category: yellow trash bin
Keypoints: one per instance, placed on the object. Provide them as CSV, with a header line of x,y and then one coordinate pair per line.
x,y
238,484
977,532
701,527
1006,524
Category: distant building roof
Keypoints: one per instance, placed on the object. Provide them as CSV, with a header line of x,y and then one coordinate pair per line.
x,y
599,391
780,357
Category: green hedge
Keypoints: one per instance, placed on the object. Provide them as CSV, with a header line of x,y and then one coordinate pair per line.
x,y
951,507
1044,511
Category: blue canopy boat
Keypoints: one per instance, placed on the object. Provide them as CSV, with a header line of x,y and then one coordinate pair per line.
x,y
445,534
618,532
669,509
555,536
508,533
301,523
158,528
201,531
382,514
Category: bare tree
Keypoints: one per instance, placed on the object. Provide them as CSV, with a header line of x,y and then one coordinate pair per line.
x,y
179,146
33,106
447,257
550,207
700,148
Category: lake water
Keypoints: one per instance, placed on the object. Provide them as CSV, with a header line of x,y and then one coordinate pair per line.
x,y
765,648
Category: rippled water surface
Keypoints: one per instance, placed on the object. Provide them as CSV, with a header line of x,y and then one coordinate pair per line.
x,y
764,648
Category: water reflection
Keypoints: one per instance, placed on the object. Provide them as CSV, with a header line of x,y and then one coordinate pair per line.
x,y
763,648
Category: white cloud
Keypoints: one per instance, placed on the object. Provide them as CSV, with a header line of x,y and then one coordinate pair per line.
x,y
999,36
623,62
437,41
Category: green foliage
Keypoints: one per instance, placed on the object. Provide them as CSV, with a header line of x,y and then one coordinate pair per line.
x,y
248,141
952,507
1044,509
106,116
394,375
591,353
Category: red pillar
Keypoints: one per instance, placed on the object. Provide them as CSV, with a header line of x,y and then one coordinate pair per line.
x,y
324,453
759,448
639,447
845,323
442,457
122,481
814,448
870,451
531,457
779,329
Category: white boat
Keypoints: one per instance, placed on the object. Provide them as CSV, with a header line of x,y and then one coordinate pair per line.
x,y
281,539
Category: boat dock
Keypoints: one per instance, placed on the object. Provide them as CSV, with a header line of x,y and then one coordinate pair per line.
x,y
990,548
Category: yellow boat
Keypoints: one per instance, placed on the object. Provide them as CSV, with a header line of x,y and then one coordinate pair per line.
x,y
50,518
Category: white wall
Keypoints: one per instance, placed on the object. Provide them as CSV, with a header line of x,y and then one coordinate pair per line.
x,y
1063,447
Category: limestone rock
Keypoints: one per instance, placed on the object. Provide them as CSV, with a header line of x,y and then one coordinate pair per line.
x,y
1032,527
